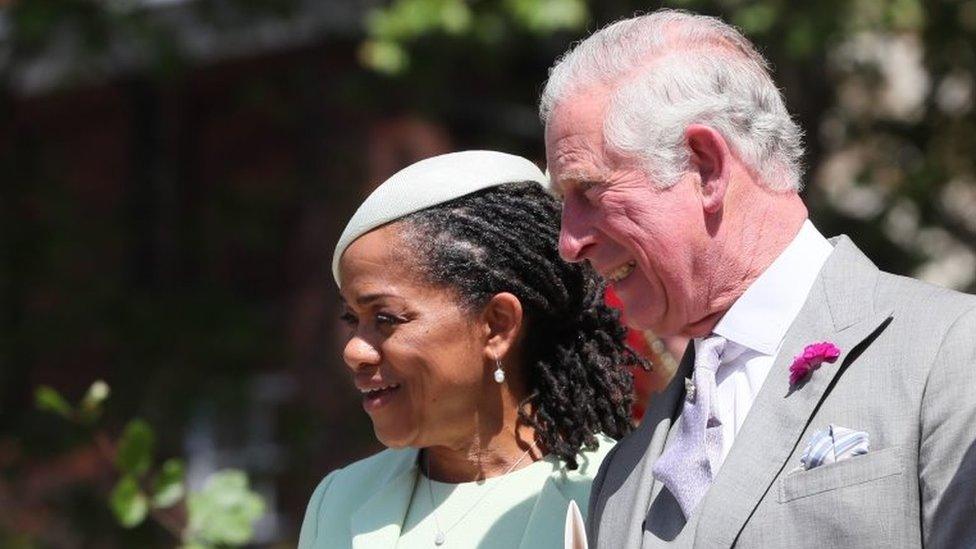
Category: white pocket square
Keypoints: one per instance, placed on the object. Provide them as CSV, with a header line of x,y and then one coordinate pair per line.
x,y
834,444
575,529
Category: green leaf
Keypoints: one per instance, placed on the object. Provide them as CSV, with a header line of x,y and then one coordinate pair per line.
x,y
168,486
455,17
756,19
48,399
547,16
128,502
135,448
386,57
224,511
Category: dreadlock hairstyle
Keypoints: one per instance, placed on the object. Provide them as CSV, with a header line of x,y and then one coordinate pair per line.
x,y
505,239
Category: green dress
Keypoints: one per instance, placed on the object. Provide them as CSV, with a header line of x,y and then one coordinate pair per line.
x,y
383,502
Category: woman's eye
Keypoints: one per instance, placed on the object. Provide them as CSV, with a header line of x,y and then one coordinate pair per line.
x,y
348,319
386,319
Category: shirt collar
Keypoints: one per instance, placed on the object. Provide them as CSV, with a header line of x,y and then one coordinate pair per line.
x,y
761,316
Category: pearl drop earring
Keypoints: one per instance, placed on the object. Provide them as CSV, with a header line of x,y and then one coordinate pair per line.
x,y
499,373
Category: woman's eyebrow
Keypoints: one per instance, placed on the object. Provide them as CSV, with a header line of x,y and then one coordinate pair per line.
x,y
366,299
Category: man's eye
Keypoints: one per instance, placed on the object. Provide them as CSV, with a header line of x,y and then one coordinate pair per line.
x,y
585,187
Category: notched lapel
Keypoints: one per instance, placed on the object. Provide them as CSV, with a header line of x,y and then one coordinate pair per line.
x,y
377,522
840,309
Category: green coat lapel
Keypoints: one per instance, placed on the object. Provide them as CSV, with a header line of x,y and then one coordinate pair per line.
x,y
377,522
839,309
547,520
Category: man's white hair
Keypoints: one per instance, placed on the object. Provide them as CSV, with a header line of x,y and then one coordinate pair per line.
x,y
669,69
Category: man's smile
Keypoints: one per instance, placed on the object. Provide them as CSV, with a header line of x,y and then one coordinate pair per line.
x,y
621,272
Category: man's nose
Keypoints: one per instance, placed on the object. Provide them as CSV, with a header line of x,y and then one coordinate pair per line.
x,y
575,234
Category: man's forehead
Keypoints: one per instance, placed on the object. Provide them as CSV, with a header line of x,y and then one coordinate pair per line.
x,y
575,124
575,158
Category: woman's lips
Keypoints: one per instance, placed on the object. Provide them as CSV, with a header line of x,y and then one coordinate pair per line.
x,y
374,399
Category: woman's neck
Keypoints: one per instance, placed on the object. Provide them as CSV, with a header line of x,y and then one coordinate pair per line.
x,y
484,457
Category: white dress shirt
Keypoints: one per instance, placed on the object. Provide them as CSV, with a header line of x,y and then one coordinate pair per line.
x,y
757,323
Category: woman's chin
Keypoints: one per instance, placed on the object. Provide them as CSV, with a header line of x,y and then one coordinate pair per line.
x,y
393,438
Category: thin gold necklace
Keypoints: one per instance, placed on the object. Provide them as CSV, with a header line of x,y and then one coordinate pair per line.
x,y
441,536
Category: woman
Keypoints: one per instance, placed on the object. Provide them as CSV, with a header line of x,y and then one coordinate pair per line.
x,y
490,368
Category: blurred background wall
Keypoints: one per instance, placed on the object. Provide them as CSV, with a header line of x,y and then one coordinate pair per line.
x,y
174,174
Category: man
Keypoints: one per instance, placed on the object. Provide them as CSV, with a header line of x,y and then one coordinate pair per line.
x,y
823,403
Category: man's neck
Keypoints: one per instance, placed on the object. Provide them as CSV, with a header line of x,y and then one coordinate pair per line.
x,y
748,248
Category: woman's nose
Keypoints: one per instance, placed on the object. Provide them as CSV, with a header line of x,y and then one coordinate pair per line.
x,y
360,353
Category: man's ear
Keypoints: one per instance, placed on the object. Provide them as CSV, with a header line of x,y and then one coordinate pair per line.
x,y
711,158
502,318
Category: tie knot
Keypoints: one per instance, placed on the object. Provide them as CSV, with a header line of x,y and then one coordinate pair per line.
x,y
709,353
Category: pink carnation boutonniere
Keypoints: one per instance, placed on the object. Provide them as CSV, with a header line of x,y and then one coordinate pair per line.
x,y
813,355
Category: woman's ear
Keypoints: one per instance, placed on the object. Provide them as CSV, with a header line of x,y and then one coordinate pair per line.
x,y
502,317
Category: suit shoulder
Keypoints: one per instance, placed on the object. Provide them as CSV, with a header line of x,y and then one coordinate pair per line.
x,y
922,300
930,317
626,452
639,438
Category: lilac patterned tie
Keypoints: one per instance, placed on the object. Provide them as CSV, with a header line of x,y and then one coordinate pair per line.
x,y
687,467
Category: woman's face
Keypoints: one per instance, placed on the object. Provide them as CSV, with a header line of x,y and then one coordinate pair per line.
x,y
417,357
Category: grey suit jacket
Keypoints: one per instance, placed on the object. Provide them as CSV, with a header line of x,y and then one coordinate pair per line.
x,y
906,375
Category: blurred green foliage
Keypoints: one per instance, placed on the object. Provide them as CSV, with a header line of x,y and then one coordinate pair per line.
x,y
136,448
128,502
393,27
221,513
168,487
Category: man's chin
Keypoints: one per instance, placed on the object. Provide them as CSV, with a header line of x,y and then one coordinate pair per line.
x,y
666,327
702,327
642,320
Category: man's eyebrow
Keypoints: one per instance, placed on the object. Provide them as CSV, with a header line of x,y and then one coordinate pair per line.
x,y
575,177
568,178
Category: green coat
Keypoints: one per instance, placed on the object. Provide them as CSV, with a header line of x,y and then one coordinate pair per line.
x,y
362,506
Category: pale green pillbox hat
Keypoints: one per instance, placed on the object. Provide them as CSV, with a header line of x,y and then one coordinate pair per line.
x,y
430,182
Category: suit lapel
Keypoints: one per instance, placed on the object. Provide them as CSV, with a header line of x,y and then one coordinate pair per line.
x,y
377,522
839,309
